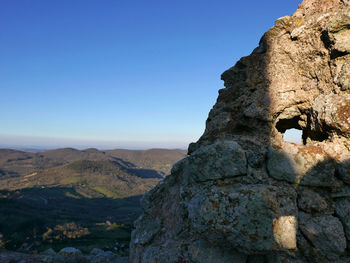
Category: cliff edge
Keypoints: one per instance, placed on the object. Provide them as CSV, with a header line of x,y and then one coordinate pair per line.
x,y
244,194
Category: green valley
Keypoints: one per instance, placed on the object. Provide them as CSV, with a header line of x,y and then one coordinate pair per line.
x,y
67,197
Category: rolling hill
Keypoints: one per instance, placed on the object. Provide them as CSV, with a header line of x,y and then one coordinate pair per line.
x,y
96,193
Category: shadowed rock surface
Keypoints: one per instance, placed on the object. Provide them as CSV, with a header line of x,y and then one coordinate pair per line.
x,y
245,195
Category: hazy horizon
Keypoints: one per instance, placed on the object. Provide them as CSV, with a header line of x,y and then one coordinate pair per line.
x,y
40,143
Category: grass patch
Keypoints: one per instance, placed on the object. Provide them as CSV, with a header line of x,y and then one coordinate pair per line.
x,y
70,180
107,193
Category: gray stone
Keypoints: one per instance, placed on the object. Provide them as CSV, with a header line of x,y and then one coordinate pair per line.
x,y
338,31
309,201
345,192
51,259
342,210
69,251
333,111
203,252
325,233
275,258
96,251
343,78
254,218
302,165
150,228
343,170
217,161
162,255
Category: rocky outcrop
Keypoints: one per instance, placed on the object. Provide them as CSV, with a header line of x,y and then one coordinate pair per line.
x,y
244,194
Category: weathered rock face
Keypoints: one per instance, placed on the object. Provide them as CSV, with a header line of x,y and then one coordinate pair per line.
x,y
244,194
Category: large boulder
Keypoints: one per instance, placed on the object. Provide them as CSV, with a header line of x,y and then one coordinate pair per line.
x,y
302,165
342,210
220,160
252,218
325,233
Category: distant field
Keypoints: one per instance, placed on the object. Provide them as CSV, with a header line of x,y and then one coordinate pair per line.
x,y
67,197
28,214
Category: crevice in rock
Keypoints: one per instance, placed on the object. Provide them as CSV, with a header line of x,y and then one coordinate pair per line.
x,y
319,133
300,232
336,54
328,43
325,39
318,136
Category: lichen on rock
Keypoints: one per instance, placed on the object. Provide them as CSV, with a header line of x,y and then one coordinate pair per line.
x,y
243,194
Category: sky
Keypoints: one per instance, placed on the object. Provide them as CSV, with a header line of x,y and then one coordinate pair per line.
x,y
120,74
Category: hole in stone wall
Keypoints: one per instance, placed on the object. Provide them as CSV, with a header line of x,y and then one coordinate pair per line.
x,y
293,135
291,130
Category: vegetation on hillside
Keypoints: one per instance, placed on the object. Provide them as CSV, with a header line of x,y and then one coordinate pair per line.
x,y
67,197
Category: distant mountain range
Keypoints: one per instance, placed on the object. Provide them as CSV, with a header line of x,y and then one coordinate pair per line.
x,y
45,195
113,173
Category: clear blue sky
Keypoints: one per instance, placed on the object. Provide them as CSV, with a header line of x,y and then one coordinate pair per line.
x,y
114,73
